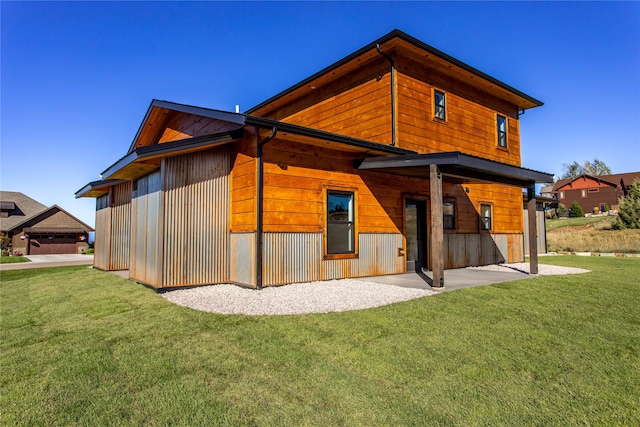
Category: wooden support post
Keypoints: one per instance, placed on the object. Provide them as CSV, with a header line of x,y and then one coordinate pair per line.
x,y
437,233
533,232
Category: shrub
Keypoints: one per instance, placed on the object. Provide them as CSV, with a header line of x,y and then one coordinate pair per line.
x,y
629,212
89,251
576,211
561,210
606,207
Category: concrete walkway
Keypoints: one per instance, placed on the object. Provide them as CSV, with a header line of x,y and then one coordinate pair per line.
x,y
42,261
454,279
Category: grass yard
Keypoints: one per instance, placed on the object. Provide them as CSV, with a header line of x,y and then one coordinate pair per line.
x,y
599,222
590,234
13,259
83,347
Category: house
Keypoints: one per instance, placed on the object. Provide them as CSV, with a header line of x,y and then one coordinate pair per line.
x,y
594,193
396,158
34,229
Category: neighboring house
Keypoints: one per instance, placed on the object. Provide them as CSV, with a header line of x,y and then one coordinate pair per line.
x,y
396,158
35,229
591,192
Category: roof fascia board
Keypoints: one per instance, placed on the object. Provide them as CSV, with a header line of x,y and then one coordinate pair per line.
x,y
170,148
264,123
188,109
474,166
403,36
97,185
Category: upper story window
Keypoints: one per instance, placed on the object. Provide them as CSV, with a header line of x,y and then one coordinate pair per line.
x,y
449,215
485,217
502,131
594,190
583,193
439,105
561,195
340,222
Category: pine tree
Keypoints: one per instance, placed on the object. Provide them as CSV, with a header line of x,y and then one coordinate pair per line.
x,y
629,212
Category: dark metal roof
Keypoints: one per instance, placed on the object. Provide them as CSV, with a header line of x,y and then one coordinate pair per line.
x,y
97,188
326,136
403,36
458,167
172,148
226,116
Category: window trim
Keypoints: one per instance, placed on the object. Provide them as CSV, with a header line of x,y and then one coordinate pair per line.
x,y
505,132
325,193
561,195
480,217
584,193
436,106
455,216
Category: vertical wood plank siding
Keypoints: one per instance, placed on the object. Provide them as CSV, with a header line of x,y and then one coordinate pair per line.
x,y
196,230
120,227
146,230
297,257
102,243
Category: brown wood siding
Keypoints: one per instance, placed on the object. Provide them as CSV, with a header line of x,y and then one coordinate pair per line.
x,y
147,230
196,220
243,185
295,175
358,105
102,243
120,227
470,125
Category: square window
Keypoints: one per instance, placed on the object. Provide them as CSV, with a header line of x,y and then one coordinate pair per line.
x,y
502,131
485,217
340,222
439,107
449,215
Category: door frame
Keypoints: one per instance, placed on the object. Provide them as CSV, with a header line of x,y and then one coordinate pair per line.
x,y
423,228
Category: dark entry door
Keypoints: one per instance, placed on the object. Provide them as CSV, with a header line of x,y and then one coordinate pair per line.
x,y
416,234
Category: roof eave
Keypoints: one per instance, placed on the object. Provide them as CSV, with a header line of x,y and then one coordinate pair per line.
x,y
403,36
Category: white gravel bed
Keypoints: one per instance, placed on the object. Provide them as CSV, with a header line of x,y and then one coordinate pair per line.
x,y
300,298
523,267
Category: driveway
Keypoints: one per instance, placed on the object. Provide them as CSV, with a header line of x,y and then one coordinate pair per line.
x,y
41,261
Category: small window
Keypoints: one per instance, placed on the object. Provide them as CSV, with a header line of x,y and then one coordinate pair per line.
x,y
485,217
340,222
449,215
439,107
562,195
502,131
594,190
583,193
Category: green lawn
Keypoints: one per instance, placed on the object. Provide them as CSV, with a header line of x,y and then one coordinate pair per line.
x,y
83,347
553,224
13,259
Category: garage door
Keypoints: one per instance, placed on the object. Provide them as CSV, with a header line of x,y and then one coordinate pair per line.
x,y
44,245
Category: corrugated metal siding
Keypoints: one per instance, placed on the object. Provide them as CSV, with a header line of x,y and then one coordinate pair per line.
x,y
196,230
242,259
120,227
146,230
102,242
542,233
298,257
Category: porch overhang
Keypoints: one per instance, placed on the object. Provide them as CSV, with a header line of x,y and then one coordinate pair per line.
x,y
460,168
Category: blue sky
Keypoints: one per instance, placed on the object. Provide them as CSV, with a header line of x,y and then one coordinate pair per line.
x,y
78,77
